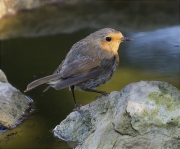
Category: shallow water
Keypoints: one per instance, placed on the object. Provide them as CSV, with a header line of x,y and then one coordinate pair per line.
x,y
153,55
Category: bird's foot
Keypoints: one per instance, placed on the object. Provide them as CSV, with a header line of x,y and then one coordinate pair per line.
x,y
104,93
77,107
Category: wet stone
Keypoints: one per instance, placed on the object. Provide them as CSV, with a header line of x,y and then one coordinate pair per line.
x,y
142,113
13,105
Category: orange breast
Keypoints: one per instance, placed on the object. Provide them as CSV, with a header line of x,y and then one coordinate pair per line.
x,y
110,46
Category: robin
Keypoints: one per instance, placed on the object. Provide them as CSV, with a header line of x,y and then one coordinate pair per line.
x,y
90,63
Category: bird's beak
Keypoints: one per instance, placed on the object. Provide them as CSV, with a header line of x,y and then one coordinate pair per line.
x,y
126,39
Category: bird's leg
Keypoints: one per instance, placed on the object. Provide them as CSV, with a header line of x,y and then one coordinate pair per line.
x,y
77,107
72,90
96,91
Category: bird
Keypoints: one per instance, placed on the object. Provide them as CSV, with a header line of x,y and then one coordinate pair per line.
x,y
91,62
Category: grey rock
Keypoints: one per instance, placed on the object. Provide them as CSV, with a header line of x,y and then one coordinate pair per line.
x,y
3,77
143,115
13,104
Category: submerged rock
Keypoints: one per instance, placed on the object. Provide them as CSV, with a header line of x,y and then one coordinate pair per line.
x,y
142,115
13,104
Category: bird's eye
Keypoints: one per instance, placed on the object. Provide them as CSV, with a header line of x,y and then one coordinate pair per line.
x,y
108,39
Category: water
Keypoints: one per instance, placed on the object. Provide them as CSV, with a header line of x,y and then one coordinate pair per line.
x,y
153,55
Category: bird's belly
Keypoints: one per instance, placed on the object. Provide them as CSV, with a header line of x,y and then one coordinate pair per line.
x,y
95,82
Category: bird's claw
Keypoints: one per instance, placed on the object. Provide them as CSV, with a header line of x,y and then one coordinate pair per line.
x,y
102,94
77,107
105,93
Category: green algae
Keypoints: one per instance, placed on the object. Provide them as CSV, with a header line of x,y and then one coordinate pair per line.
x,y
167,100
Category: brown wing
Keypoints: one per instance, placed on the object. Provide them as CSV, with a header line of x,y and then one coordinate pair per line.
x,y
82,70
76,68
76,72
79,67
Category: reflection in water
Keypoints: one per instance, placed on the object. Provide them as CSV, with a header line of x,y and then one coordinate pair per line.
x,y
64,17
156,50
151,56
2,129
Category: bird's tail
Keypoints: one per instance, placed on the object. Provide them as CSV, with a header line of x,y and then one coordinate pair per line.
x,y
42,81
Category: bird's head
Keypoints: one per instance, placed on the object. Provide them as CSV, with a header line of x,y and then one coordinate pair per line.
x,y
109,39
